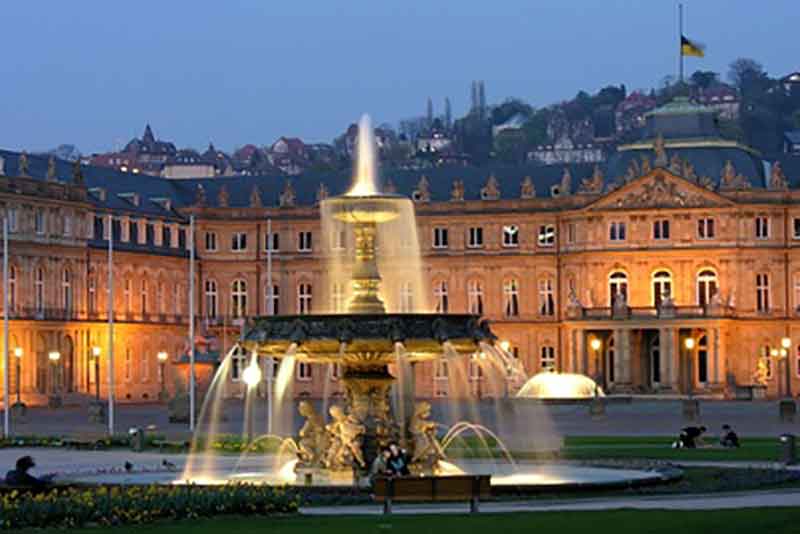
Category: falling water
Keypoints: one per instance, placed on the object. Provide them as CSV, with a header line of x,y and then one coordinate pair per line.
x,y
200,462
403,391
248,430
283,411
482,433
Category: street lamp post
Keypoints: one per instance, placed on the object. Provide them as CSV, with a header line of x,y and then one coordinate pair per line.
x,y
787,408
595,343
55,398
97,408
691,407
162,362
786,344
18,356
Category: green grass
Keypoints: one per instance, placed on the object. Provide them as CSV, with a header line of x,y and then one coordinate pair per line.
x,y
771,521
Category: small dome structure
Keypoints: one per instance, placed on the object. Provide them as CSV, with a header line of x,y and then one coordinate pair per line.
x,y
560,386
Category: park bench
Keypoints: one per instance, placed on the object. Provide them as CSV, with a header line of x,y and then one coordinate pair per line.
x,y
470,488
163,444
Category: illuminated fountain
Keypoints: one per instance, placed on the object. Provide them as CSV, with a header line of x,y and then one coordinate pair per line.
x,y
560,386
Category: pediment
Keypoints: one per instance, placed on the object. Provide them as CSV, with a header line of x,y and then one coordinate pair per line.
x,y
660,189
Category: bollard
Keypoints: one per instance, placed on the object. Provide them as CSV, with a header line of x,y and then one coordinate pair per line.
x,y
788,453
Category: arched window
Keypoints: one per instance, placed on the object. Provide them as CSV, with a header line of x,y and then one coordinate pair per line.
x,y
547,305
38,290
440,296
12,288
128,365
475,297
337,298
161,298
239,298
511,298
66,290
304,298
272,299
143,297
617,286
662,287
706,286
406,297
211,299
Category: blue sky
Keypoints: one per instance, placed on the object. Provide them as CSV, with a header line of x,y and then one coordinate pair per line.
x,y
93,72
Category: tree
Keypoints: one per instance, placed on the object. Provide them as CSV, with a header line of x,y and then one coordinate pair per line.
x,y
743,70
508,109
704,78
510,146
535,128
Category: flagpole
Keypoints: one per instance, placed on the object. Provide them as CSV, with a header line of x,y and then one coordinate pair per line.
x,y
110,325
191,325
6,363
270,311
680,42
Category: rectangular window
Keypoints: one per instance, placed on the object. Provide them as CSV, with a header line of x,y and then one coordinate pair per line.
x,y
705,228
239,241
547,235
273,300
238,363
276,242
547,305
303,371
12,219
304,299
304,241
762,227
511,235
762,292
440,378
440,237
475,237
616,231
796,227
572,231
67,225
211,241
39,222
547,360
661,229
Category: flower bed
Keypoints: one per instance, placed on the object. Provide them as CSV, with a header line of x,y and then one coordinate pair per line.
x,y
131,505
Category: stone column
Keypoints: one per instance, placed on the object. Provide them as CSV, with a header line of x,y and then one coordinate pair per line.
x,y
667,348
622,358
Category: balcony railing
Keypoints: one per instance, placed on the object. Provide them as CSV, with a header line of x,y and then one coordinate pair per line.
x,y
650,312
60,314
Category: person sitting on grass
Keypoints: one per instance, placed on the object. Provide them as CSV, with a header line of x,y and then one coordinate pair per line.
x,y
20,478
729,439
691,437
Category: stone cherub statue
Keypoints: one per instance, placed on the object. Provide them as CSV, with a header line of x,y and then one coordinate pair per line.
x,y
346,434
761,374
23,164
427,449
312,440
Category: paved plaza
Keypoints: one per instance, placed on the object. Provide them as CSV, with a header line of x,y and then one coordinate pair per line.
x,y
517,420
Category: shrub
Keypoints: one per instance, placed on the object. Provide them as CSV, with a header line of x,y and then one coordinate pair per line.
x,y
120,505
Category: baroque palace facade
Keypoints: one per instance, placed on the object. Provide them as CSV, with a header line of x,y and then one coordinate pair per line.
x,y
605,271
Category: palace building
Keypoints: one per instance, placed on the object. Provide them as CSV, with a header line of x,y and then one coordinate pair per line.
x,y
606,270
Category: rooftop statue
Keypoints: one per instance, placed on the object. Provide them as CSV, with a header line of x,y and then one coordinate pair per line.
x,y
255,197
51,169
322,192
423,191
661,153
566,182
594,184
527,189
676,164
646,166
457,191
287,198
23,164
777,180
223,197
200,196
77,173
491,191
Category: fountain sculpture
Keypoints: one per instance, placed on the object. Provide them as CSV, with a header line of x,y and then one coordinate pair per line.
x,y
365,342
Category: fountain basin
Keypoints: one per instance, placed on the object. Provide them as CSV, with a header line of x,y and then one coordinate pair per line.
x,y
365,339
369,209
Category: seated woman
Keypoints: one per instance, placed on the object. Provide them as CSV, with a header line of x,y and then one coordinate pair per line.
x,y
20,478
729,438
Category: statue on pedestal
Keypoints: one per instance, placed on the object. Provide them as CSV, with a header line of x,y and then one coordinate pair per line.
x,y
312,440
427,449
345,434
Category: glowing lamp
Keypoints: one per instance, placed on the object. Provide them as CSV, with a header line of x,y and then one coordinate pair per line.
x,y
252,375
162,356
505,345
54,356
786,343
595,343
18,352
96,352
689,343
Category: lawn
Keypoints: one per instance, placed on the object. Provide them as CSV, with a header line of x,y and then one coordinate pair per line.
x,y
778,520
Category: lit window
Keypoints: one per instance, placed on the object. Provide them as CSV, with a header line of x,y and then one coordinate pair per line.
x,y
547,235
239,241
127,294
440,296
239,298
475,237
238,364
511,235
705,228
617,287
66,287
12,288
475,297
616,231
511,298
661,229
440,237
662,287
546,301
304,241
762,292
706,287
128,365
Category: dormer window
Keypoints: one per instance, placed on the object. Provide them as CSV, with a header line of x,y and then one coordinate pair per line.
x,y
98,192
133,198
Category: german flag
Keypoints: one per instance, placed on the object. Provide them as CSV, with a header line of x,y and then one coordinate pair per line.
x,y
690,48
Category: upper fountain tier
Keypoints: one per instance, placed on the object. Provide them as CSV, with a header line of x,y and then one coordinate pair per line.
x,y
365,203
